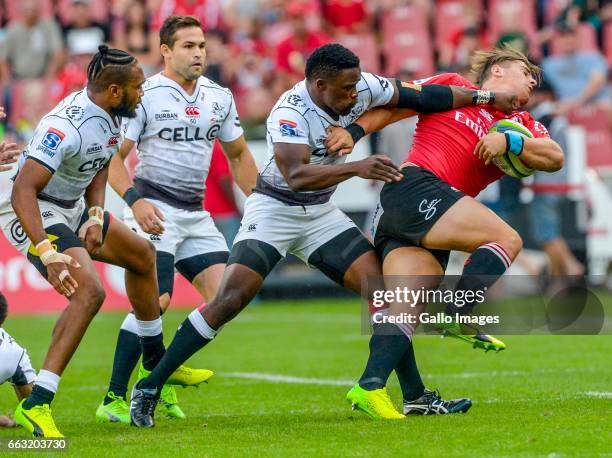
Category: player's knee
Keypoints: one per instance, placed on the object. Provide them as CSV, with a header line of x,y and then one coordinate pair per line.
x,y
94,296
144,261
512,243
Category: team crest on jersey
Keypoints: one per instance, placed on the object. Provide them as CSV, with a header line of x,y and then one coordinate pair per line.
x,y
53,138
288,128
218,109
296,101
75,112
192,111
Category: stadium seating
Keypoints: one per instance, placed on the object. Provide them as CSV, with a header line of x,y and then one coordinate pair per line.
x,y
364,45
404,47
553,9
449,18
596,123
586,38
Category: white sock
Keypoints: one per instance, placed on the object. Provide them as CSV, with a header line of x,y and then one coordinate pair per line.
x,y
200,325
130,324
47,380
149,328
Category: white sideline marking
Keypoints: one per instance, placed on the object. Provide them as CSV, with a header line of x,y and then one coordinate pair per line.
x,y
598,394
276,378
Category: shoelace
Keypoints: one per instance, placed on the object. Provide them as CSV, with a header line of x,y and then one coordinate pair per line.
x,y
114,397
45,410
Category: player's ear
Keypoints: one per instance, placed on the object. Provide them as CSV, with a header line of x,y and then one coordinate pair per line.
x,y
320,84
497,70
164,49
115,90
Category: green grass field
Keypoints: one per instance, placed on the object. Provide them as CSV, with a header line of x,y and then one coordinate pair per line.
x,y
283,370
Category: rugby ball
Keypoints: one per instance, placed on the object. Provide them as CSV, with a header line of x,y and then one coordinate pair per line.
x,y
509,163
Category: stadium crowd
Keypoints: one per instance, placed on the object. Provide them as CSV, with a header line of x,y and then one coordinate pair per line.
x,y
258,47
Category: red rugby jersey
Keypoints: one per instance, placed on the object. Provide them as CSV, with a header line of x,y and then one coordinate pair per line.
x,y
444,142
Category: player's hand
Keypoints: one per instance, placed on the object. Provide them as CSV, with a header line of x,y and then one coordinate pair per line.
x,y
506,102
378,168
490,146
338,141
148,217
2,113
8,155
59,275
7,422
90,234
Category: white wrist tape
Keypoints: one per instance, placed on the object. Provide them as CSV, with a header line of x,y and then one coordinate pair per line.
x,y
96,215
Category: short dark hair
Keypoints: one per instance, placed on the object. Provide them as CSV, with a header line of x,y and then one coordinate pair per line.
x,y
172,24
109,66
328,60
3,308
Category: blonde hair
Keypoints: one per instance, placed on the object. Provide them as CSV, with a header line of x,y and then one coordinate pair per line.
x,y
484,60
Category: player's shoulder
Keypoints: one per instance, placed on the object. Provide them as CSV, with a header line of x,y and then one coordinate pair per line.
x,y
72,111
525,118
295,99
9,345
371,82
209,84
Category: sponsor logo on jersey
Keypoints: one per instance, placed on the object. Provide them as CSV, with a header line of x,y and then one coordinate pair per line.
x,y
47,214
166,115
384,82
155,238
93,149
96,164
252,227
114,140
181,134
288,128
45,150
485,114
53,138
75,112
212,132
192,111
17,232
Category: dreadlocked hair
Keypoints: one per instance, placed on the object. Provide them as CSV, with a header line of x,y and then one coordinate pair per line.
x,y
109,66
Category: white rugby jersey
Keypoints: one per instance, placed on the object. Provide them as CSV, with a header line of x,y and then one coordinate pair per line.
x,y
74,140
297,119
175,133
14,361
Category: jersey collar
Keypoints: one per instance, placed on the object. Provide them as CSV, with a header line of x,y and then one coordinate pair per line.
x,y
193,98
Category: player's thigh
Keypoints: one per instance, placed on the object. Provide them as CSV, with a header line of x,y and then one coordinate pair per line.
x,y
201,253
124,248
469,224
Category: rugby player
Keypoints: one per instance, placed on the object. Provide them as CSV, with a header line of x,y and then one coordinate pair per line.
x,y
433,210
180,115
54,215
15,364
8,151
290,210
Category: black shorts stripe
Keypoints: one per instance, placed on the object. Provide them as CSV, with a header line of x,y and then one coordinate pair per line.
x,y
192,266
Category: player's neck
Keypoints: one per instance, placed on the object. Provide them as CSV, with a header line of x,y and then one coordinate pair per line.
x,y
318,102
98,99
188,86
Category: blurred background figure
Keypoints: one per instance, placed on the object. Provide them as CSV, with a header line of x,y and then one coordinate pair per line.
x,y
82,33
551,189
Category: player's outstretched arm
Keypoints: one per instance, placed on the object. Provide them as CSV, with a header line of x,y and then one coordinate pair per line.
x,y
31,180
147,215
242,163
293,162
8,155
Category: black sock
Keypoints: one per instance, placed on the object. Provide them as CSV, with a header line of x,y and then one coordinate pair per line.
x,y
152,350
482,269
387,345
186,342
38,397
409,376
127,354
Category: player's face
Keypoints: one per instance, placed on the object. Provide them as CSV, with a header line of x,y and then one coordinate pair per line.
x,y
340,93
516,78
132,94
188,54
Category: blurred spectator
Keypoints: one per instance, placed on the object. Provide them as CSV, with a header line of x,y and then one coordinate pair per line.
x,y
216,65
294,50
209,12
578,77
132,32
345,16
219,199
459,53
550,190
32,47
82,34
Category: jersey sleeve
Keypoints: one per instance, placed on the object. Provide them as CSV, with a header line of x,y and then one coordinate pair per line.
x,y
537,128
25,373
381,88
54,140
134,127
230,129
286,125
